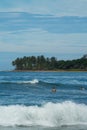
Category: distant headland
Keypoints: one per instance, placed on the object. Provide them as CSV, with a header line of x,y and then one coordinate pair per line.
x,y
41,63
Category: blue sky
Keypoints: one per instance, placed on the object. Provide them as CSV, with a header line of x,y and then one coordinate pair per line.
x,y
49,27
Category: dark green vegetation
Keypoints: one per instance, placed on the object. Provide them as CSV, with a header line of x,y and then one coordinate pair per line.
x,y
42,63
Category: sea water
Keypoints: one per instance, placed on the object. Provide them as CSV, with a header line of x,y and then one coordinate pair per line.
x,y
28,103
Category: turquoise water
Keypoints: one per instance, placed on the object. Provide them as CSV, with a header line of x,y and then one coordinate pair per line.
x,y
28,103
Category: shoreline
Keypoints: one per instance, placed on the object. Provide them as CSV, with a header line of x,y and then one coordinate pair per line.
x,y
48,70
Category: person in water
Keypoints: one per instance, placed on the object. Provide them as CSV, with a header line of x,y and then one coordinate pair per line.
x,y
53,89
82,88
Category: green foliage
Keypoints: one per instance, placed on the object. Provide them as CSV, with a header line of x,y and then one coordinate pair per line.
x,y
42,63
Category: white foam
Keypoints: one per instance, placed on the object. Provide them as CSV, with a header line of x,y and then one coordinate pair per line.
x,y
34,81
50,114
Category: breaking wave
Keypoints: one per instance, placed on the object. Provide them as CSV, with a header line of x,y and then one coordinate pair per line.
x,y
49,114
34,81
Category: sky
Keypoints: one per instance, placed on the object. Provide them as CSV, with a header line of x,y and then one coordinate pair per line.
x,y
42,27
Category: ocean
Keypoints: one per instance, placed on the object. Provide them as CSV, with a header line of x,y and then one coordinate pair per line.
x,y
27,101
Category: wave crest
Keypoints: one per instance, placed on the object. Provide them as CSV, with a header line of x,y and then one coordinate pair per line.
x,y
34,81
49,114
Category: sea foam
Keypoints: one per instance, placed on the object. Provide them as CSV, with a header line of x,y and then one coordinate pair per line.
x,y
49,114
34,81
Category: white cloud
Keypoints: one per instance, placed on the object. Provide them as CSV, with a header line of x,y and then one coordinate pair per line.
x,y
53,7
37,40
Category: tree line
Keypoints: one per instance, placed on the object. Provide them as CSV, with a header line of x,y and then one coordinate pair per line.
x,y
46,63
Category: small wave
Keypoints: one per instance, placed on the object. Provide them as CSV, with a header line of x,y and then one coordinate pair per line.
x,y
49,114
75,82
34,81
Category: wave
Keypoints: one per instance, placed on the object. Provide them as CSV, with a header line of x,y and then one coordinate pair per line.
x,y
75,82
64,84
34,81
49,114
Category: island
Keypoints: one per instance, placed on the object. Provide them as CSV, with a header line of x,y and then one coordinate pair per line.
x,y
41,63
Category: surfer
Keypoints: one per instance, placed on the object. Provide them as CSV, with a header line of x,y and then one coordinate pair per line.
x,y
82,88
53,89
